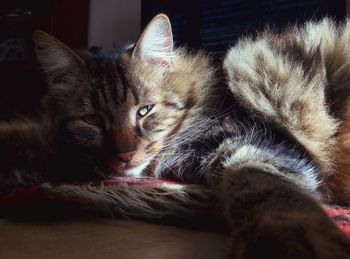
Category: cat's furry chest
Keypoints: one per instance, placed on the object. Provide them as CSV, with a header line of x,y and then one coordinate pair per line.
x,y
189,160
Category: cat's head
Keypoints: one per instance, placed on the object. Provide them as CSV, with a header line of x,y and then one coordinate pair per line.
x,y
122,110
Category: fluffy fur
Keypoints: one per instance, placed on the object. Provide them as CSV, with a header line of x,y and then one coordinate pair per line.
x,y
299,80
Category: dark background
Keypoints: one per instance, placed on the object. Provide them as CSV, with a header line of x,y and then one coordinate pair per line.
x,y
21,82
210,24
215,25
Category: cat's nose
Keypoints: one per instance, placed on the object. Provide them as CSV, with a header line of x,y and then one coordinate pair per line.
x,y
126,156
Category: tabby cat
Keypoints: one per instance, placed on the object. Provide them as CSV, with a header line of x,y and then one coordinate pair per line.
x,y
260,130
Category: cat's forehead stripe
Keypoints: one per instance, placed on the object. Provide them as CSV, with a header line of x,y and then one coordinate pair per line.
x,y
114,80
125,83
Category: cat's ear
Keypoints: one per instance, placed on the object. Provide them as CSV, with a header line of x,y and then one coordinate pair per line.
x,y
53,54
155,44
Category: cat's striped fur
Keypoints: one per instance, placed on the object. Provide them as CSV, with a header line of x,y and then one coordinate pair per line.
x,y
260,130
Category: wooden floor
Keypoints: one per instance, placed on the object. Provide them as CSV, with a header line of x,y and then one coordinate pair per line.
x,y
106,238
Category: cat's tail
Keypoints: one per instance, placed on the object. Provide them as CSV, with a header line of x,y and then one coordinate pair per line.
x,y
141,197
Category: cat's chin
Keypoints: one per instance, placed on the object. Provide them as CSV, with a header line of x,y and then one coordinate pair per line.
x,y
136,171
133,172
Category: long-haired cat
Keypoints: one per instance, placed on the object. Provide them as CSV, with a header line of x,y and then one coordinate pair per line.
x,y
259,131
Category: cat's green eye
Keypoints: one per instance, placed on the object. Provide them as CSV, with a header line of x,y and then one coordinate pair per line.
x,y
144,110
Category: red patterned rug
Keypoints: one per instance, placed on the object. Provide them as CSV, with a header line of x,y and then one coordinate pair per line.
x,y
341,216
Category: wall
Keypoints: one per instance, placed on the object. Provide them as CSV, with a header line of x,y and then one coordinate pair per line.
x,y
113,22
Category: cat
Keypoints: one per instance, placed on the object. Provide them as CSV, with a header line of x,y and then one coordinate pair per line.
x,y
260,130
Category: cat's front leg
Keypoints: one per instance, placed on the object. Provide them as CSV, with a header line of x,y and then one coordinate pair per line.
x,y
24,154
272,217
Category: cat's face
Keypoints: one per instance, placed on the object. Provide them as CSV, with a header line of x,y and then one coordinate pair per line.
x,y
121,111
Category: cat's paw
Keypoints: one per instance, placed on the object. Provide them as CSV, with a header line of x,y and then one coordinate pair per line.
x,y
296,241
